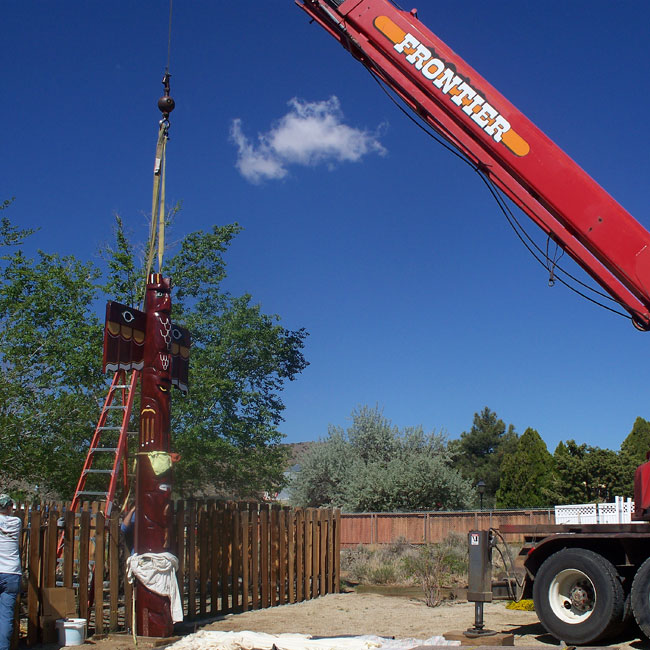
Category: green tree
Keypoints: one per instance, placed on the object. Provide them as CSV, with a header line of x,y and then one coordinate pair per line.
x,y
586,474
226,429
634,450
50,347
480,451
526,474
373,466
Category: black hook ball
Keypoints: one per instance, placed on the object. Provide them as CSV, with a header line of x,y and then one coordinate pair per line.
x,y
166,104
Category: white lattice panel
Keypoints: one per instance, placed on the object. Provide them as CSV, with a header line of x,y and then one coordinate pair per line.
x,y
585,513
619,512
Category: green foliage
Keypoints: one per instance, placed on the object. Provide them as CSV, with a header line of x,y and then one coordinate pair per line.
x,y
50,348
634,450
526,474
124,283
637,443
586,474
226,430
50,344
373,466
480,451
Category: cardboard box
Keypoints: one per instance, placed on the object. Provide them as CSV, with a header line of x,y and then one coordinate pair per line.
x,y
59,602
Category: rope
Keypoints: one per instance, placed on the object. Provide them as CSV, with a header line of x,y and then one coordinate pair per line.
x,y
157,203
161,214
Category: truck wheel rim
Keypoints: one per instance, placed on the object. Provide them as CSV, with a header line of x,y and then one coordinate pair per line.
x,y
572,596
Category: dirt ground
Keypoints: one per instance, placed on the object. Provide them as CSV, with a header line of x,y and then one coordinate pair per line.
x,y
357,614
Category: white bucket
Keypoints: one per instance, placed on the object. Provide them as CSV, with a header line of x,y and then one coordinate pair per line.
x,y
72,631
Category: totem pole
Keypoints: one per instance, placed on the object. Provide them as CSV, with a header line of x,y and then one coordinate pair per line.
x,y
149,342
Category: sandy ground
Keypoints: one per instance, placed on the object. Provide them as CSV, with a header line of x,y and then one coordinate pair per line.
x,y
357,614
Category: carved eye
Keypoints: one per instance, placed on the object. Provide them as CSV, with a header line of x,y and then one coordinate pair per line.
x,y
176,333
161,294
128,316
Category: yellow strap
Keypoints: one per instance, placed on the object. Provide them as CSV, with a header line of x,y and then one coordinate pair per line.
x,y
161,216
155,203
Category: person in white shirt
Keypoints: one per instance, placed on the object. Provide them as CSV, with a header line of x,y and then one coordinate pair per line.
x,y
10,568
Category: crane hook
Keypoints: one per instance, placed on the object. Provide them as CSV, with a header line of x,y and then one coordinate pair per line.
x,y
166,104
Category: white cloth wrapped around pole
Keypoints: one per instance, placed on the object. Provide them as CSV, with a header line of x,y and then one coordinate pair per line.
x,y
157,572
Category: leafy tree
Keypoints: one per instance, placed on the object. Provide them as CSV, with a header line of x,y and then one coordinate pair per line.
x,y
634,450
240,360
480,451
526,474
50,344
586,474
50,347
373,466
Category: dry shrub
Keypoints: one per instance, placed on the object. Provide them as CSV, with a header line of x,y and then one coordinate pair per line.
x,y
377,564
439,565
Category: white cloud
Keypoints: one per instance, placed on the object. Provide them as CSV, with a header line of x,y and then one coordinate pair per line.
x,y
311,133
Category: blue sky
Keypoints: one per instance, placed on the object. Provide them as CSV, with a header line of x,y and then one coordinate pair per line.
x,y
416,294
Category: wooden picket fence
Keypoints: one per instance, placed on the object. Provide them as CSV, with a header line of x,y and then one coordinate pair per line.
x,y
232,557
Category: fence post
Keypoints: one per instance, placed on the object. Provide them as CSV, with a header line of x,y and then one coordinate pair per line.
x,y
275,553
323,521
214,558
337,551
291,554
114,569
264,553
191,560
255,555
68,547
225,557
309,542
245,559
330,551
300,554
33,588
84,549
282,556
100,533
204,559
236,556
315,568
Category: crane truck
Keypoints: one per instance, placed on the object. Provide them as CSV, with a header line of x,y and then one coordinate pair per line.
x,y
587,581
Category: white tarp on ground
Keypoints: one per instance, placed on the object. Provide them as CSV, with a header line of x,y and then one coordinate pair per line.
x,y
215,640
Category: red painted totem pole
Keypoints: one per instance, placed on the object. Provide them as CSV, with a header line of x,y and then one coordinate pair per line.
x,y
149,342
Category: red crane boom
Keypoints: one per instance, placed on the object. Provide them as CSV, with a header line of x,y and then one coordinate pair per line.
x,y
504,145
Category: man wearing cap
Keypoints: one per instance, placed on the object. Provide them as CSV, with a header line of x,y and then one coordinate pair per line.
x,y
10,568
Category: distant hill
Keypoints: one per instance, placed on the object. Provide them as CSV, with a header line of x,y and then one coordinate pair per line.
x,y
296,451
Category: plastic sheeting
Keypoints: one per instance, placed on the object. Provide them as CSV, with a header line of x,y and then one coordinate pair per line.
x,y
215,640
157,572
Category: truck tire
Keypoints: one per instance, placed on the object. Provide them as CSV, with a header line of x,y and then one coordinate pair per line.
x,y
578,596
640,594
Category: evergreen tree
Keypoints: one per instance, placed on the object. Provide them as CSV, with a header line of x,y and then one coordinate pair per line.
x,y
480,451
526,474
634,450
